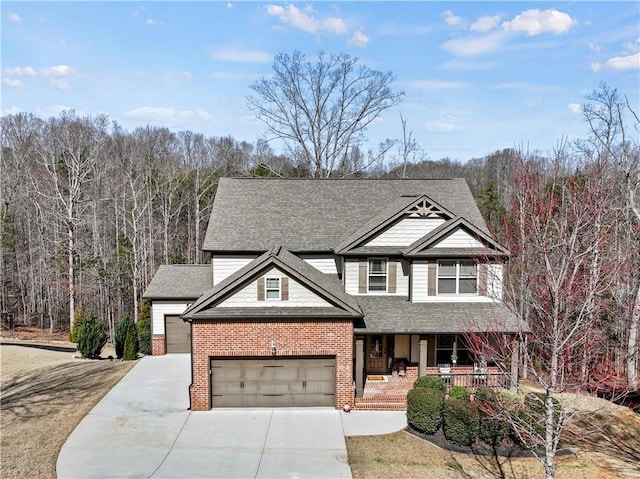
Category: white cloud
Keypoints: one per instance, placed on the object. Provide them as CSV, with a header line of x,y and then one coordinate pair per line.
x,y
475,45
184,76
575,108
451,19
58,71
444,124
358,39
12,110
486,23
306,20
595,66
169,117
629,62
534,22
20,72
594,47
150,21
229,53
59,83
436,85
136,12
468,65
12,82
229,5
14,17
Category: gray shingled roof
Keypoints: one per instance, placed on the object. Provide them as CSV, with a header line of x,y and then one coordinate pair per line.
x,y
254,214
326,286
387,314
271,313
180,281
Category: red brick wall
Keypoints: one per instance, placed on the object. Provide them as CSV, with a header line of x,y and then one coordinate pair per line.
x,y
251,338
158,347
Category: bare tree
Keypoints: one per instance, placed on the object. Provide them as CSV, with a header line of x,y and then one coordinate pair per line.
x,y
321,109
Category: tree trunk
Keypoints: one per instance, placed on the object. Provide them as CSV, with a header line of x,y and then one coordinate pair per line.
x,y
632,343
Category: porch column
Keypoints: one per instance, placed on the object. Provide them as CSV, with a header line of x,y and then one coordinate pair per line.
x,y
359,367
422,365
515,359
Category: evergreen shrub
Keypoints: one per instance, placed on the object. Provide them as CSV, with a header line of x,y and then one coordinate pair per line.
x,y
424,409
431,382
144,327
131,343
78,318
120,335
460,421
459,392
492,429
92,336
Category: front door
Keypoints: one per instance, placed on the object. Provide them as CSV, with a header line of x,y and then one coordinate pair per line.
x,y
376,354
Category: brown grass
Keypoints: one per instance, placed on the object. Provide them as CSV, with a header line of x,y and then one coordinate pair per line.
x,y
43,403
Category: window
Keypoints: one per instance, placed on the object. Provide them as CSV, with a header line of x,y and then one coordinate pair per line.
x,y
272,287
457,277
377,274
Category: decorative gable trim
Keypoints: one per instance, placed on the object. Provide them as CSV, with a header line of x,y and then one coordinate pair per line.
x,y
419,206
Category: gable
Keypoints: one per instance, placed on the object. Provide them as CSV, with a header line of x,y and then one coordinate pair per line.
x,y
459,239
298,294
405,231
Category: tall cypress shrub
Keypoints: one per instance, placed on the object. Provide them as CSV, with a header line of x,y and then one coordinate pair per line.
x,y
144,327
92,336
120,335
131,343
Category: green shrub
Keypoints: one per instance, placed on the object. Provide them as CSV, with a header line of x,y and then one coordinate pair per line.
x,y
120,335
424,409
92,336
459,392
533,414
144,327
131,343
492,429
460,421
78,319
431,382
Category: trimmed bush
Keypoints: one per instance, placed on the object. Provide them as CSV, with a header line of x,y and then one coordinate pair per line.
x,y
424,409
533,415
92,336
78,319
120,335
492,430
144,327
131,343
460,422
430,382
459,392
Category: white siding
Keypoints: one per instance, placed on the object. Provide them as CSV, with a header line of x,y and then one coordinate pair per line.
x,y
326,265
494,281
351,279
159,309
459,239
420,282
405,232
224,266
299,296
351,276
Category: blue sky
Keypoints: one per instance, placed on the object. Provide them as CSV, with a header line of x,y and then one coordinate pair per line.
x,y
478,76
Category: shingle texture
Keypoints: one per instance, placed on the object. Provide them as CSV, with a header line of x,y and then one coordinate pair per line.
x,y
387,314
180,282
254,214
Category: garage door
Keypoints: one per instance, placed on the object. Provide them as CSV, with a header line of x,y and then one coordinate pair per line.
x,y
273,382
177,334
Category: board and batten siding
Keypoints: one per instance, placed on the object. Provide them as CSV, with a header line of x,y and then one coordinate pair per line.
x,y
224,266
405,232
299,295
459,239
352,278
160,309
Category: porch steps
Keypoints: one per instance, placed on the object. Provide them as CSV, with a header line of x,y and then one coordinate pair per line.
x,y
380,405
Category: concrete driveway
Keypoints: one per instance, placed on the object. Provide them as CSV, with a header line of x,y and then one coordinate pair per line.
x,y
143,428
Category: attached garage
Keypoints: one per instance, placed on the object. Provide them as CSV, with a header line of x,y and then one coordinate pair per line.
x,y
177,335
273,382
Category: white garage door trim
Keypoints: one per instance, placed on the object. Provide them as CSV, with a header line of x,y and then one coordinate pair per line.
x,y
273,382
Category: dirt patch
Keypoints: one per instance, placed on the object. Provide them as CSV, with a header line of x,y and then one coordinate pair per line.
x,y
44,394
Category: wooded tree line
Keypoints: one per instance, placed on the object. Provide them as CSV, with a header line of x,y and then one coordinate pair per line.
x,y
88,211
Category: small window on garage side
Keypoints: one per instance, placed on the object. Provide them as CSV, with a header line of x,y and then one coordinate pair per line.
x,y
272,288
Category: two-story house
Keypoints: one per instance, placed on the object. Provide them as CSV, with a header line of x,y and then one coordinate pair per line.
x,y
314,284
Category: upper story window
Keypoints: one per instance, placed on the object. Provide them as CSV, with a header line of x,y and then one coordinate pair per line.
x,y
377,274
457,277
272,288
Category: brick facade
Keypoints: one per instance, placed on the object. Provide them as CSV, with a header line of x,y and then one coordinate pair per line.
x,y
158,345
253,338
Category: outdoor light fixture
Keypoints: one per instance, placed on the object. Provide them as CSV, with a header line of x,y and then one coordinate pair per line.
x,y
273,347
